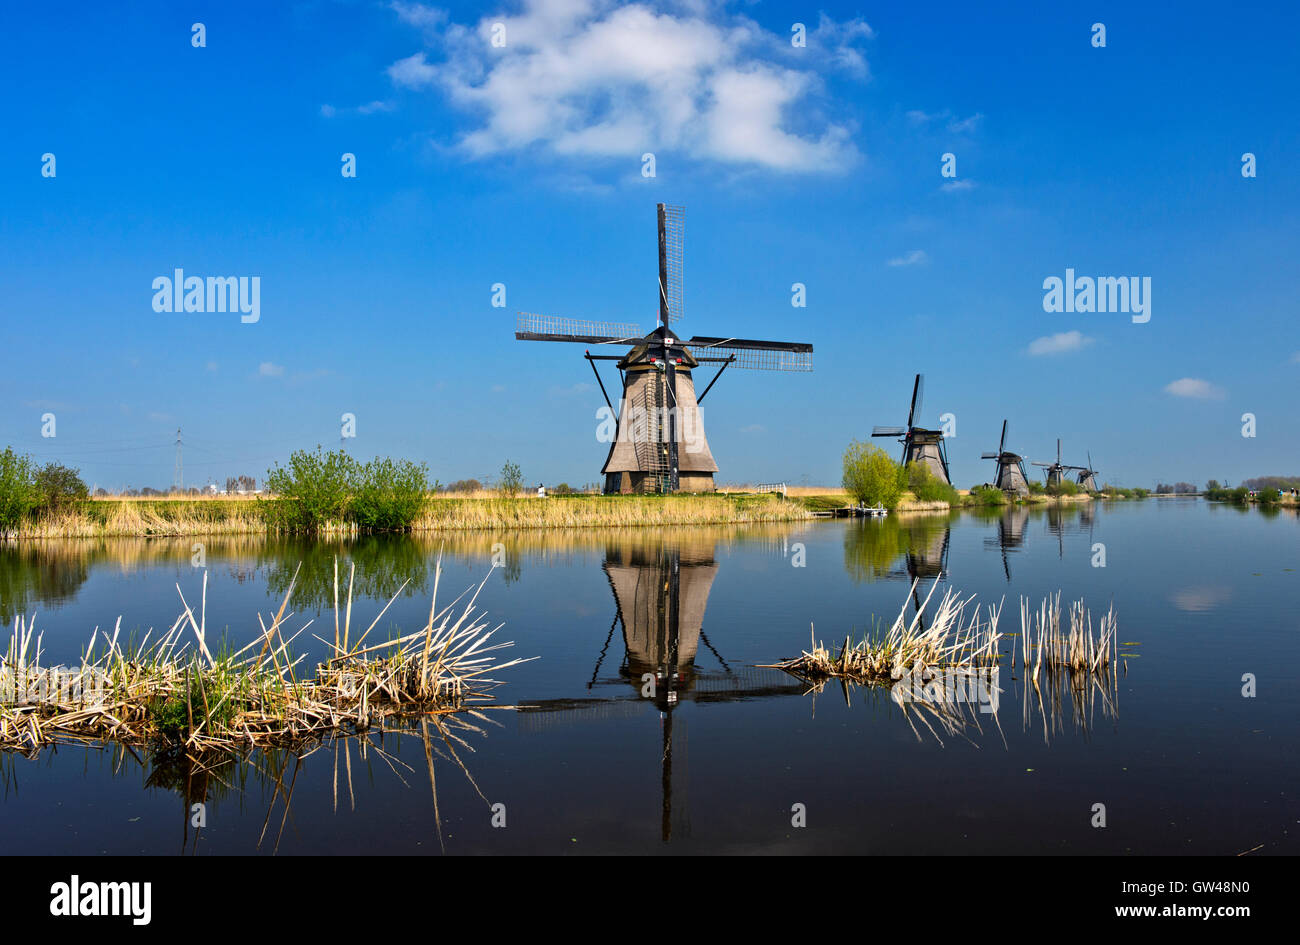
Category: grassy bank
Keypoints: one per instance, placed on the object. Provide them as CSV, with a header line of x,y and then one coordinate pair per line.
x,y
104,518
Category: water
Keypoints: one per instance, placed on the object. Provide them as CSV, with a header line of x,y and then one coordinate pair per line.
x,y
1181,760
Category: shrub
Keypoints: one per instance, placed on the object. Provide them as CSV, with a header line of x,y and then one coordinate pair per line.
x,y
389,494
988,495
871,477
928,487
18,495
58,487
1036,487
313,491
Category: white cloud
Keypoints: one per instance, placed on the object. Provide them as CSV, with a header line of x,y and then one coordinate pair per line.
x,y
915,257
1194,387
954,124
267,369
595,78
1060,343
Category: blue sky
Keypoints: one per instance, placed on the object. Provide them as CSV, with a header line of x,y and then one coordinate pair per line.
x,y
522,165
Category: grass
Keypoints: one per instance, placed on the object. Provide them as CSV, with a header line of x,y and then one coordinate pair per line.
x,y
177,692
150,517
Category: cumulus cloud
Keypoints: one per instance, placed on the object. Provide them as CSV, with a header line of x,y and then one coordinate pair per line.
x,y
1060,343
597,78
1194,387
914,258
267,369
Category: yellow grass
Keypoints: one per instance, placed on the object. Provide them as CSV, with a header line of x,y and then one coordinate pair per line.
x,y
222,515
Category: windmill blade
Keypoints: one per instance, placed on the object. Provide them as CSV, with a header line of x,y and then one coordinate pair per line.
x,y
917,394
1041,464
887,431
1002,443
674,224
1090,459
530,327
990,455
752,355
1058,451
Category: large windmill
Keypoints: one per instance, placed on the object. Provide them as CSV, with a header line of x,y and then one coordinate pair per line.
x,y
1088,476
1056,471
919,445
659,443
1011,468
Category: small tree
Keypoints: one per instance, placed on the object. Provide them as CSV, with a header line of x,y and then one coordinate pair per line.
x,y
18,496
59,487
512,479
871,477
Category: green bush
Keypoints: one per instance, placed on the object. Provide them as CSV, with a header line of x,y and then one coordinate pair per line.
x,y
871,477
388,494
928,487
1036,487
988,495
319,489
59,487
1064,487
313,491
18,495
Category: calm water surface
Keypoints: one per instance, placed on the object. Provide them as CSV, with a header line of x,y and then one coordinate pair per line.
x,y
1182,762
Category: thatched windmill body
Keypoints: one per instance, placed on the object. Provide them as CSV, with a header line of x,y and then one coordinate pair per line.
x,y
659,443
919,444
1011,468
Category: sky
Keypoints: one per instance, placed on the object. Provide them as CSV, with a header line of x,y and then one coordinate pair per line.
x,y
522,164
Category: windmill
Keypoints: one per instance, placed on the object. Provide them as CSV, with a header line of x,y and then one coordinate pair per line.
x,y
1055,471
919,445
1011,468
1088,476
658,444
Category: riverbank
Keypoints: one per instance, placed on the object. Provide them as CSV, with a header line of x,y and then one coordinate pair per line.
x,y
145,518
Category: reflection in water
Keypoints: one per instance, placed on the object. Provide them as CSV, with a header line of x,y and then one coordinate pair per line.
x,y
660,588
269,775
875,547
1011,525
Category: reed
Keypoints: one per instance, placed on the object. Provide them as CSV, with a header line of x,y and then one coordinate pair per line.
x,y
177,691
225,516
956,638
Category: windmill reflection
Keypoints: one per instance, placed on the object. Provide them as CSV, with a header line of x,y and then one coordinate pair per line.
x,y
1012,524
661,592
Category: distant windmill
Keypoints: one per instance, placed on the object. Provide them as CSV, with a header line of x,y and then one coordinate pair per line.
x,y
1056,471
1011,468
1088,476
659,410
919,445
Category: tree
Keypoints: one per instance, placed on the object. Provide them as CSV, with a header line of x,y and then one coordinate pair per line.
x,y
871,477
59,487
512,479
18,496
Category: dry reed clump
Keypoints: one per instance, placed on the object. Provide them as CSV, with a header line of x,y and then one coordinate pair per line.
x,y
908,648
953,642
1078,650
175,690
